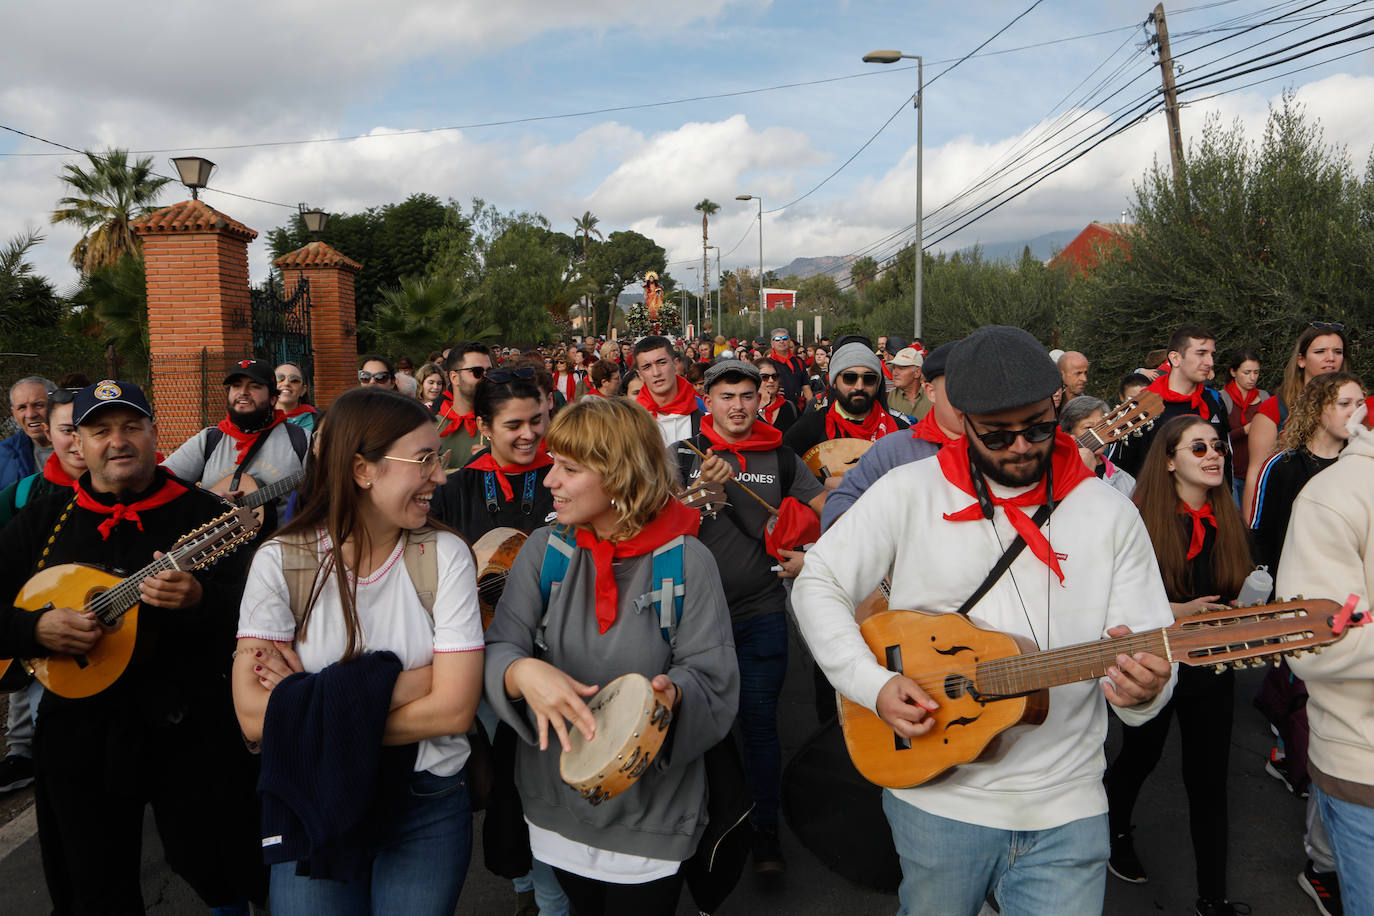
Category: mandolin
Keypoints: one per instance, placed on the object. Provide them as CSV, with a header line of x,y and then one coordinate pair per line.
x,y
115,603
986,681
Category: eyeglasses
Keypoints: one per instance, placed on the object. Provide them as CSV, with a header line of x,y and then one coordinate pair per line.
x,y
783,337
429,464
767,375
854,378
1200,448
1000,439
1324,326
477,371
373,378
296,379
502,376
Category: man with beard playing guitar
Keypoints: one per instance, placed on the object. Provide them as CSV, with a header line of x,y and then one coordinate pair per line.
x,y
1030,824
253,440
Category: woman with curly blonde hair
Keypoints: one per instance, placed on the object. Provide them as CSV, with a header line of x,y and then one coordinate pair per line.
x,y
552,644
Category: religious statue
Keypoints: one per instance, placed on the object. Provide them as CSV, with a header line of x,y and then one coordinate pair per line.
x,y
653,295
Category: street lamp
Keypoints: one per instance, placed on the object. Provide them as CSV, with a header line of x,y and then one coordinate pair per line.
x,y
762,332
718,315
891,57
314,220
194,172
684,310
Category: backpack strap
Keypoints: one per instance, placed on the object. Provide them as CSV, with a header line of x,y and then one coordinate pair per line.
x,y
300,440
23,490
527,496
300,564
489,491
421,556
1283,413
213,435
787,469
558,554
669,589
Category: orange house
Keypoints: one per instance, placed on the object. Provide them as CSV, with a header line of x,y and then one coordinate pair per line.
x,y
1089,247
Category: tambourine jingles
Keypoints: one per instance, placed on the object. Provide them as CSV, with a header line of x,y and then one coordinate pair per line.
x,y
833,457
632,720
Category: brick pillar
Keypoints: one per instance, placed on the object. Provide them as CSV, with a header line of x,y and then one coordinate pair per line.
x,y
198,312
333,316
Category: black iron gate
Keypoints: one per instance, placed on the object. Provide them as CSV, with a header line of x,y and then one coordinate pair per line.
x,y
281,327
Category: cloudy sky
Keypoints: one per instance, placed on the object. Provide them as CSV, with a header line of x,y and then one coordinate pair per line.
x,y
238,83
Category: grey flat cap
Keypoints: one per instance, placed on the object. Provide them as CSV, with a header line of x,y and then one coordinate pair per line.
x,y
999,368
722,367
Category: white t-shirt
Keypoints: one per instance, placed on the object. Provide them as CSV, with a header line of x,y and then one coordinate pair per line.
x,y
390,614
553,848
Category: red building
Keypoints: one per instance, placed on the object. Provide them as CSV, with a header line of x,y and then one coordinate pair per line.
x,y
1090,246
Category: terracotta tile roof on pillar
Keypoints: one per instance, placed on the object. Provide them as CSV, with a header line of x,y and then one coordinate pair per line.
x,y
317,254
191,216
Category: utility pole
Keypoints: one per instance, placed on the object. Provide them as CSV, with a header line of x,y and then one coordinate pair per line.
x,y
1166,69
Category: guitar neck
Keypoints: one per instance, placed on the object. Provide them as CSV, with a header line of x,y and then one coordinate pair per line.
x,y
264,495
111,605
1087,661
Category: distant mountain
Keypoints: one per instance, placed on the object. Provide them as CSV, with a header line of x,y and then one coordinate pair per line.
x,y
801,268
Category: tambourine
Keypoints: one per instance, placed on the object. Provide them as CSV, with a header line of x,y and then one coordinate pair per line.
x,y
632,720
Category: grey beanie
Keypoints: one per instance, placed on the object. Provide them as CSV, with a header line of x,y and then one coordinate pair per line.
x,y
853,355
999,368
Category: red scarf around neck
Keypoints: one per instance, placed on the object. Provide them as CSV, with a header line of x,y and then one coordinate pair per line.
x,y
673,520
119,512
873,427
487,462
770,412
762,438
684,402
300,409
930,431
1069,471
566,382
456,421
1196,401
244,441
53,472
1243,400
1199,533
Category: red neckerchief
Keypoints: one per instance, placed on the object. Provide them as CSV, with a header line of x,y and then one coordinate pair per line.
x,y
300,409
1199,532
1196,401
487,462
1069,472
683,404
244,441
456,421
53,472
594,392
566,382
762,438
877,424
118,512
1243,400
930,431
770,412
674,519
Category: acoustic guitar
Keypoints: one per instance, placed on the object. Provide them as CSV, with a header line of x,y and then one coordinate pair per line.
x,y
254,494
115,603
986,681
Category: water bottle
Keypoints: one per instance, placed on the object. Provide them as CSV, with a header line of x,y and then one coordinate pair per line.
x,y
1259,585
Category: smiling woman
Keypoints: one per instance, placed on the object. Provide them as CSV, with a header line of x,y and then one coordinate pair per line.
x,y
358,578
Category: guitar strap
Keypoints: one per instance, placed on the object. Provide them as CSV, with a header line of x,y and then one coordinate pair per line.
x,y
1013,551
248,457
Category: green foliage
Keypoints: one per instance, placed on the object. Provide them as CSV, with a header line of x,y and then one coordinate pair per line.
x,y
26,299
105,199
112,306
624,258
1253,242
423,314
529,277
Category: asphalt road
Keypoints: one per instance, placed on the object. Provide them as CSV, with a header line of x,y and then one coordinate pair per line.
x,y
1266,842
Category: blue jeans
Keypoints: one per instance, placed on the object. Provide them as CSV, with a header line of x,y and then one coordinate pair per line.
x,y
1351,829
418,869
948,867
761,646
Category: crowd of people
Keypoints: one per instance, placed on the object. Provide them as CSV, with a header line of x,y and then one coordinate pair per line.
x,y
313,716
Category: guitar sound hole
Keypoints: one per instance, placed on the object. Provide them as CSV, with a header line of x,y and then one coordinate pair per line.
x,y
956,686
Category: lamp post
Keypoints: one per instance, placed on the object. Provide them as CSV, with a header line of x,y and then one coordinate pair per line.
x,y
194,172
718,315
762,332
684,310
891,57
315,220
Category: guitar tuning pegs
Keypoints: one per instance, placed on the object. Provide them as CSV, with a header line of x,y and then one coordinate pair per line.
x,y
1220,669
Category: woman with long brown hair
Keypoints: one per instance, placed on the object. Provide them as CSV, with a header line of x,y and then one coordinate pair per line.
x,y
1200,543
1320,348
553,643
356,588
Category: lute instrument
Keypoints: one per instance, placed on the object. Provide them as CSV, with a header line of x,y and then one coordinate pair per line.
x,y
115,602
986,681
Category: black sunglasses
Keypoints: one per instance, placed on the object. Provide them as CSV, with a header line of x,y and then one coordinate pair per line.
x,y
1324,326
853,378
502,376
1000,439
768,375
368,378
477,371
1199,448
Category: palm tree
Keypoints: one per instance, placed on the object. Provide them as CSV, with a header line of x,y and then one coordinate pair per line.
x,y
422,310
586,227
106,199
705,208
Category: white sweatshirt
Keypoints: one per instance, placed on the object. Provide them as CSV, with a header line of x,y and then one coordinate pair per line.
x,y
1044,776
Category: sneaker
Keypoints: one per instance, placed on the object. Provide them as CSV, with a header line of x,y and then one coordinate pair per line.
x,y
1324,889
1277,767
15,773
525,905
767,852
1216,906
1124,863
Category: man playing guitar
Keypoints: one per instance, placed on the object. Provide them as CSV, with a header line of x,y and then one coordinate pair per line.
x,y
1029,823
163,733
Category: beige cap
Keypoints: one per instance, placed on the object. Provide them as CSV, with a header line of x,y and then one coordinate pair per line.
x,y
908,356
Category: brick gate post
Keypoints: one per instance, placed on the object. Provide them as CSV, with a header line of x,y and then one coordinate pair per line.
x,y
333,316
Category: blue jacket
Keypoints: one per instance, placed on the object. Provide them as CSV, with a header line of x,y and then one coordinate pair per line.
x,y
16,458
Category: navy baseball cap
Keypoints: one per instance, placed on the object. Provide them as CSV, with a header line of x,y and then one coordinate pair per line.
x,y
108,393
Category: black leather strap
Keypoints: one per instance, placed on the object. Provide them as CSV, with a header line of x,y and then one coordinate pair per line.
x,y
1014,551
